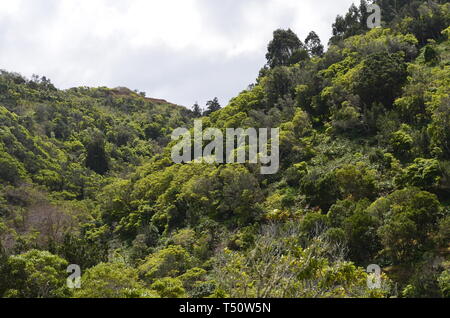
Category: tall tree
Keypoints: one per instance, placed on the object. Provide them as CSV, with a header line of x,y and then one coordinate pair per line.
x,y
314,45
197,111
96,156
212,106
285,49
381,78
353,23
36,274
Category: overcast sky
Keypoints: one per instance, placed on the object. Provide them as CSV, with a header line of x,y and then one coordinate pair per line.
x,y
180,50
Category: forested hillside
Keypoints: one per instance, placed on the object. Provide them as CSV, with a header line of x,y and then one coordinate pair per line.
x,y
86,176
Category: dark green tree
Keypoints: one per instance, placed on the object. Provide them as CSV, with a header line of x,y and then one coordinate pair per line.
x,y
350,24
36,274
285,49
314,45
279,84
430,55
381,78
409,218
97,159
212,106
4,269
197,111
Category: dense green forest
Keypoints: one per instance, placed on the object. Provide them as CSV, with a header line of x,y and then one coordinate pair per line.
x,y
86,176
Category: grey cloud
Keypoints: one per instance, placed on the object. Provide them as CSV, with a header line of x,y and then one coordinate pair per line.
x,y
182,76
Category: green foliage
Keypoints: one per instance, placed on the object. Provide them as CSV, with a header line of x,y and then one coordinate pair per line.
x,y
402,142
82,251
424,173
426,20
430,55
278,84
169,287
170,262
108,280
36,274
194,281
380,78
10,169
212,106
363,242
86,174
285,49
96,156
353,23
321,189
348,119
438,129
408,217
278,267
444,283
197,110
357,181
426,279
314,45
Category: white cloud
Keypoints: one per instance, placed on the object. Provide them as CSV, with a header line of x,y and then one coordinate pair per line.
x,y
9,7
181,50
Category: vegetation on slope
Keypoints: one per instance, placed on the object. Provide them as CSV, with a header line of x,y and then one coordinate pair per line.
x,y
86,177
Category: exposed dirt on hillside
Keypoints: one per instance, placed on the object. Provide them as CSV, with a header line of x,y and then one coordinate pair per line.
x,y
123,91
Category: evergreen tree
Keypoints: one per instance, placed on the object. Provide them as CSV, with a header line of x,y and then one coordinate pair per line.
x,y
212,106
197,111
97,159
314,45
285,49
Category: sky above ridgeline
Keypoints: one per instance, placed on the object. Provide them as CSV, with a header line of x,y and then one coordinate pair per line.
x,y
179,50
